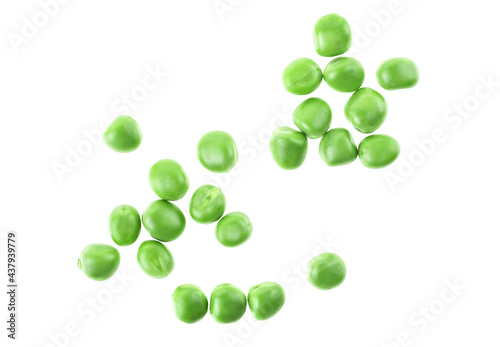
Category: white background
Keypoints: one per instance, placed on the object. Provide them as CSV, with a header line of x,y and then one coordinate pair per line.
x,y
401,243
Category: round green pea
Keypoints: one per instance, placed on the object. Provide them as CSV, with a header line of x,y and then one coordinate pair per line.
x,y
266,300
397,73
217,151
124,225
326,271
366,109
313,117
163,220
99,261
168,179
288,147
332,35
207,205
344,74
337,147
227,303
190,303
378,151
302,76
155,259
123,135
233,229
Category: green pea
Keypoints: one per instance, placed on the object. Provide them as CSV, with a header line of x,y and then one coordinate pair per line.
x,y
98,261
366,109
227,303
217,151
378,151
123,135
168,179
313,117
190,303
337,147
233,229
155,259
397,73
207,204
124,225
326,271
266,300
344,74
302,76
288,148
163,220
332,35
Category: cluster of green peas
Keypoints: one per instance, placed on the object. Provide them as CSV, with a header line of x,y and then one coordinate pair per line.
x,y
366,109
165,222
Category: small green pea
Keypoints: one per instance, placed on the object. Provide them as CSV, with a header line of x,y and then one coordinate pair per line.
x,y
190,303
155,259
378,151
163,220
288,148
366,109
168,179
124,225
233,229
326,271
123,135
332,35
99,261
344,74
397,73
207,204
266,300
217,151
313,117
227,303
337,147
302,76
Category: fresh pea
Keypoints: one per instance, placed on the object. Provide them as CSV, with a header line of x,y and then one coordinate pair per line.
x,y
397,73
124,225
233,229
288,148
123,135
155,259
332,35
190,303
227,303
366,109
302,76
344,74
163,220
313,117
217,151
98,261
337,147
266,300
168,179
326,271
207,204
378,151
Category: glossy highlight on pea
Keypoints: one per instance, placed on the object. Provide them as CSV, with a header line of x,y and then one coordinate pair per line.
x,y
99,261
217,151
123,135
337,147
302,76
227,303
207,204
378,151
397,73
313,117
344,74
155,259
233,229
366,109
326,271
124,225
190,303
332,35
168,179
164,221
288,148
265,300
